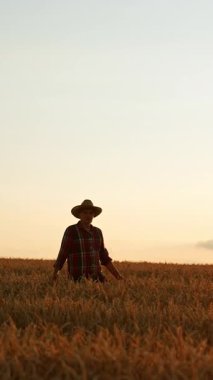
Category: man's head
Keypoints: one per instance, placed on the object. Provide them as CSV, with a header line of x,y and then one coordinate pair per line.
x,y
86,215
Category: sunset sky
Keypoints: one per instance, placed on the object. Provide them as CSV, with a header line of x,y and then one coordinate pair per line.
x,y
110,101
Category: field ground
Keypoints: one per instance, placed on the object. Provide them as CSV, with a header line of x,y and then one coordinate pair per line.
x,y
156,325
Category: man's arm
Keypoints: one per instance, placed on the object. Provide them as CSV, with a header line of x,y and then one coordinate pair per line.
x,y
106,260
62,255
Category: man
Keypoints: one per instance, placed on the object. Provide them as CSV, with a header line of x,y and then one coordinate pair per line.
x,y
83,247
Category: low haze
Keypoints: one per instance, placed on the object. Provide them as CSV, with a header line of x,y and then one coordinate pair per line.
x,y
109,101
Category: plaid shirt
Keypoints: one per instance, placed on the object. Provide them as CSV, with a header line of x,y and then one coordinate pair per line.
x,y
83,250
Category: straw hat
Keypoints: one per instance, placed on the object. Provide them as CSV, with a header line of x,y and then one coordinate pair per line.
x,y
86,204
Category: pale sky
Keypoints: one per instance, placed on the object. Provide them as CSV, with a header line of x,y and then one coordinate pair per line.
x,y
110,101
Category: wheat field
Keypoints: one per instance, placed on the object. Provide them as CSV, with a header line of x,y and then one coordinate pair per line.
x,y
155,325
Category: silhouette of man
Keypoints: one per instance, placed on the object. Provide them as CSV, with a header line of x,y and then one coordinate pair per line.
x,y
83,247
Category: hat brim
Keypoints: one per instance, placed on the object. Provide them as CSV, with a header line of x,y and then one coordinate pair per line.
x,y
77,210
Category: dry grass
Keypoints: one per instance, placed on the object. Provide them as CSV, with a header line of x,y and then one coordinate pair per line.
x,y
157,325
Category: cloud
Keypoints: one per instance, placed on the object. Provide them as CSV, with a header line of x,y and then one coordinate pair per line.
x,y
208,244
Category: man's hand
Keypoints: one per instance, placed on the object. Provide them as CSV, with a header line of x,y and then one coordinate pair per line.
x,y
111,268
119,277
55,276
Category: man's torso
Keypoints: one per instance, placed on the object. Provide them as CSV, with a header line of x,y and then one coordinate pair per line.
x,y
83,253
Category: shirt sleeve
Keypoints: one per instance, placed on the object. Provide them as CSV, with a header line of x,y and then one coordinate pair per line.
x,y
65,245
104,254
